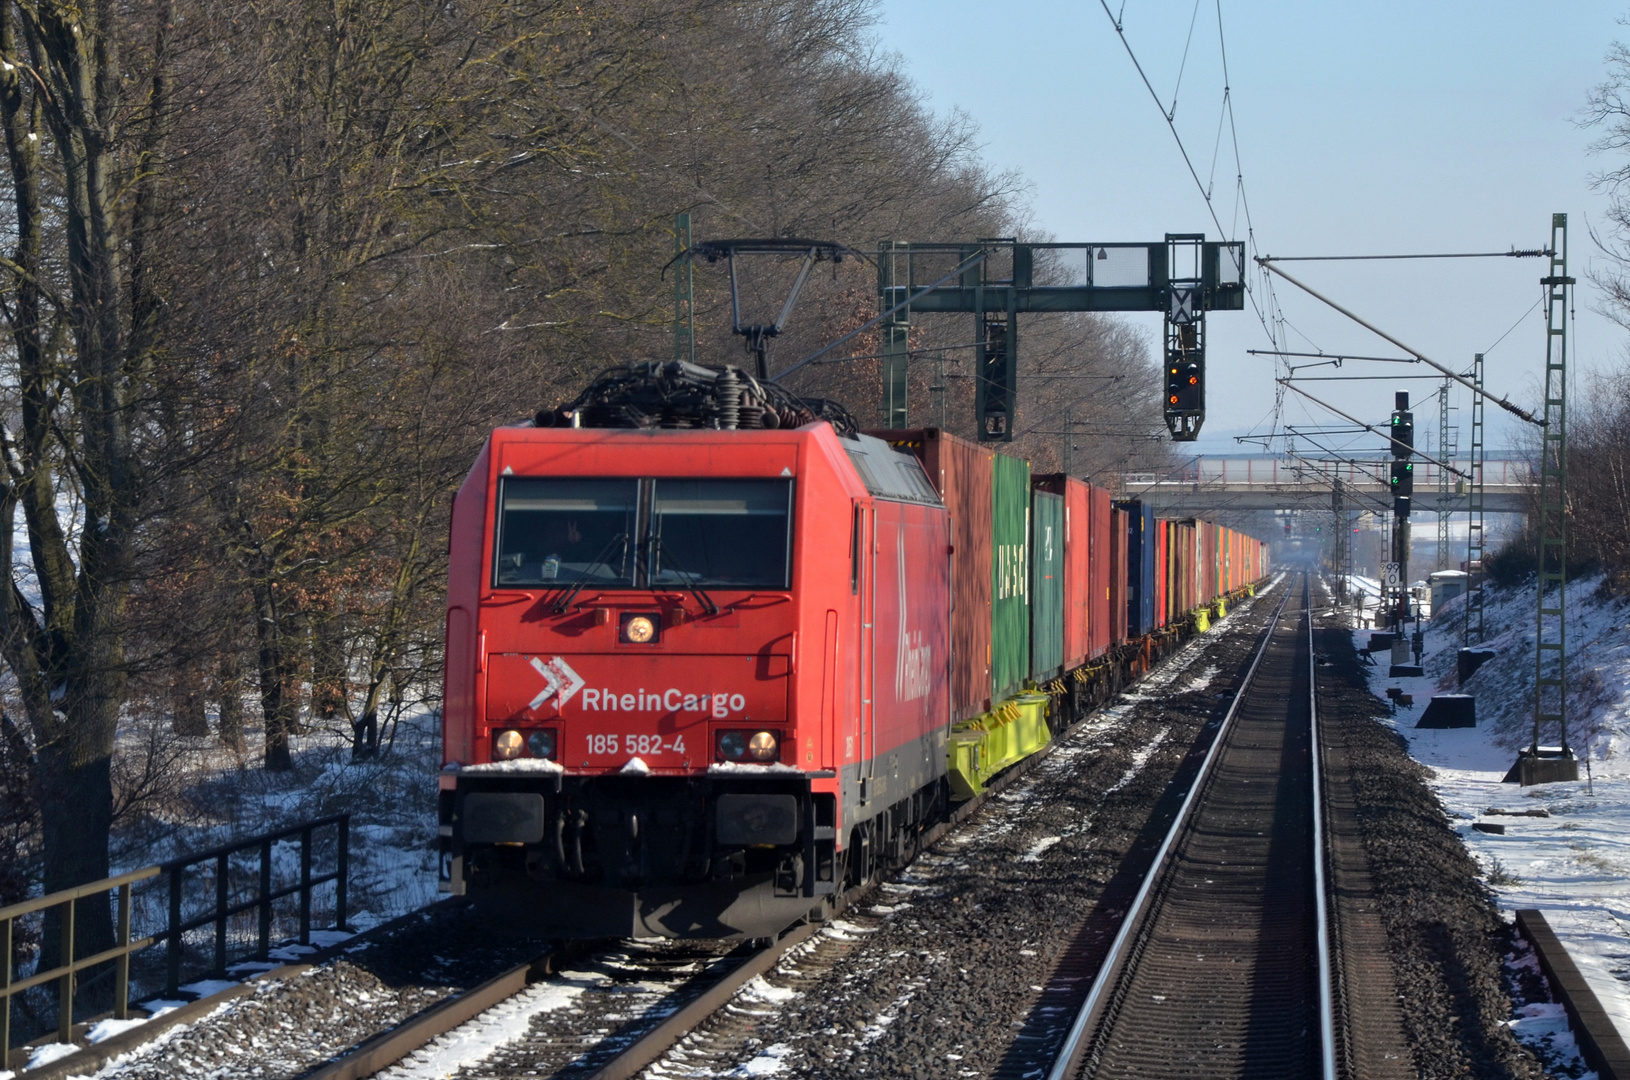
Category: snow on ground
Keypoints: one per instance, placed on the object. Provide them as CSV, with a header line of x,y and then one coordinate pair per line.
x,y
218,797
478,1039
1572,863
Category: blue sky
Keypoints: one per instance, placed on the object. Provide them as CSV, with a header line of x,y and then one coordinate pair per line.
x,y
1375,127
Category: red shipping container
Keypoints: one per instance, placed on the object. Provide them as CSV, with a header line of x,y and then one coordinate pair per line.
x,y
1182,551
1162,586
1119,522
1217,561
961,472
1208,562
1100,629
1077,565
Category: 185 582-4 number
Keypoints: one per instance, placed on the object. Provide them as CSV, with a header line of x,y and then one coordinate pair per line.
x,y
635,744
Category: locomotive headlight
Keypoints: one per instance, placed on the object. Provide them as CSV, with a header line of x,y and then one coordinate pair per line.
x,y
733,745
541,744
639,629
762,746
507,745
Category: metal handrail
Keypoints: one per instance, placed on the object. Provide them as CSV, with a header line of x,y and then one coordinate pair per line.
x,y
62,896
176,928
264,897
64,973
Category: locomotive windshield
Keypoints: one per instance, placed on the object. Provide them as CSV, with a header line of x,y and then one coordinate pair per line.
x,y
730,534
561,532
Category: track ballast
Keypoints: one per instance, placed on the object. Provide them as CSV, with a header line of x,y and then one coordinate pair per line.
x,y
1220,972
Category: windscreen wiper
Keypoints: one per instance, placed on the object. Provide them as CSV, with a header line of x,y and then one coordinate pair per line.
x,y
583,576
696,590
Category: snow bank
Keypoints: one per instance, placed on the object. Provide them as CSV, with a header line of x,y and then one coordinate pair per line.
x,y
1572,863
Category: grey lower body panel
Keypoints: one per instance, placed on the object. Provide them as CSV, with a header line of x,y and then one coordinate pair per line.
x,y
870,787
744,907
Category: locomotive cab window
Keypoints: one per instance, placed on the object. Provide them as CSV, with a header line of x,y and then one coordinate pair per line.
x,y
561,532
728,534
643,534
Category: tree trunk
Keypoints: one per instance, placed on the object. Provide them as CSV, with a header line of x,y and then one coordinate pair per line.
x,y
187,716
279,699
229,685
76,815
329,681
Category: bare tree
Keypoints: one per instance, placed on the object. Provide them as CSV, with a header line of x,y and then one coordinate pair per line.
x,y
79,310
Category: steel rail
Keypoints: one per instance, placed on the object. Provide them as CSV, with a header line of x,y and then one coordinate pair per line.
x,y
388,1047
393,1045
1086,1019
1327,1006
650,1046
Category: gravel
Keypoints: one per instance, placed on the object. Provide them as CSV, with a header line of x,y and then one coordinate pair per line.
x,y
970,963
1446,937
953,969
292,1025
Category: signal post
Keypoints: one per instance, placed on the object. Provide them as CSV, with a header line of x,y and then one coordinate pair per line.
x,y
1402,484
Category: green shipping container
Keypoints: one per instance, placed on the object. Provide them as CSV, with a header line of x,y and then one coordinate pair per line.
x,y
1046,586
1010,578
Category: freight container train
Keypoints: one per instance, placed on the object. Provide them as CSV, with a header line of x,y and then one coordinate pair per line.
x,y
713,654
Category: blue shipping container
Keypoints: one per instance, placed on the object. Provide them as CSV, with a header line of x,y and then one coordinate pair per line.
x,y
1140,568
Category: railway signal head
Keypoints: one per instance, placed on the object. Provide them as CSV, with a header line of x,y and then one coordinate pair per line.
x,y
1403,434
1403,478
1402,430
1185,389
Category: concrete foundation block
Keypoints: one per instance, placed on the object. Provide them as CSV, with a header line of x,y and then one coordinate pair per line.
x,y
1449,711
1550,766
1467,661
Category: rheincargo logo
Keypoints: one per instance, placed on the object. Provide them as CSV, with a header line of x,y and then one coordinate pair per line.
x,y
641,700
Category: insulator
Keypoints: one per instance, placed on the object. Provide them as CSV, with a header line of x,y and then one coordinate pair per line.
x,y
675,395
728,388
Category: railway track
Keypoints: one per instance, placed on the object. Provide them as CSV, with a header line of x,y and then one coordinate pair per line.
x,y
609,1013
605,1015
1223,965
606,1009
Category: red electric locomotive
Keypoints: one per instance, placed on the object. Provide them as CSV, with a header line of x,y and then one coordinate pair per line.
x,y
695,678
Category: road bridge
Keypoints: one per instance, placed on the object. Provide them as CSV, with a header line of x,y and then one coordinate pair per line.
x,y
1270,482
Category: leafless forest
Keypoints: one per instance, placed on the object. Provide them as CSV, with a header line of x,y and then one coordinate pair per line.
x,y
271,269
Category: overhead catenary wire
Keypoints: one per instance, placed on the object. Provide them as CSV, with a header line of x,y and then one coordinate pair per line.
x,y
1516,324
1337,358
1194,17
968,263
914,352
1243,200
1378,431
1361,378
1358,495
1456,376
1204,189
1514,253
1181,149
